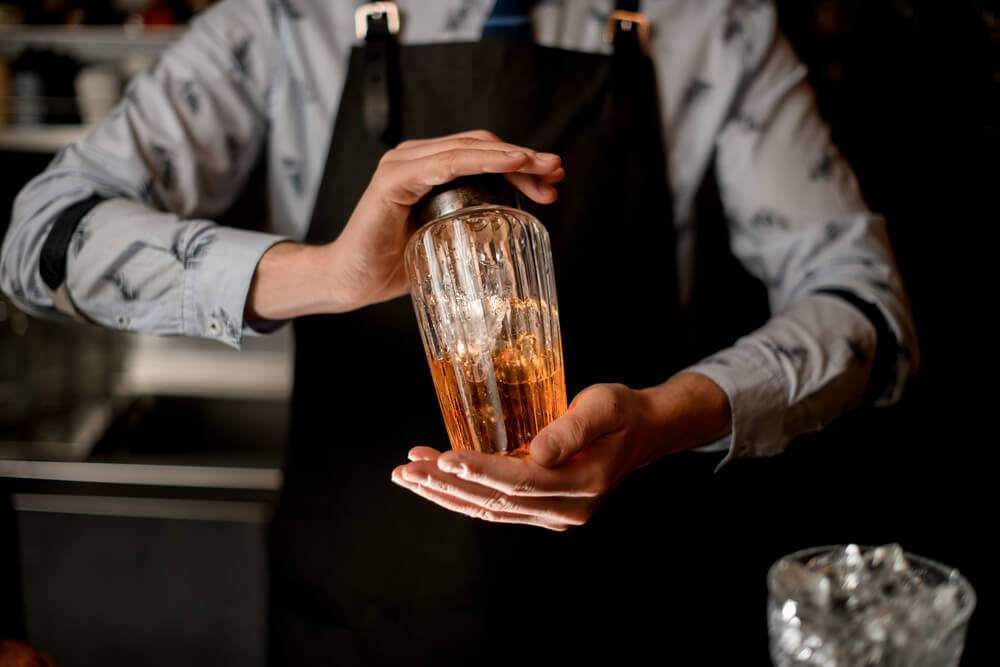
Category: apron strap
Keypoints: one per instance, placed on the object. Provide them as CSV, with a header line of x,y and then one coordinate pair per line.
x,y
628,31
377,23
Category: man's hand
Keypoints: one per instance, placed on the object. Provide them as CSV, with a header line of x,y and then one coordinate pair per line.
x,y
364,264
608,431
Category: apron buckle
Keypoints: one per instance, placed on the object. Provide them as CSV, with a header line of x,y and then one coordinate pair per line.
x,y
374,11
625,21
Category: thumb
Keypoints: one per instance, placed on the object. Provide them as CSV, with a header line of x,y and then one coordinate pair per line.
x,y
594,413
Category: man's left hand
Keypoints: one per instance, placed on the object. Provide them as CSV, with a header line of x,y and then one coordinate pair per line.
x,y
608,431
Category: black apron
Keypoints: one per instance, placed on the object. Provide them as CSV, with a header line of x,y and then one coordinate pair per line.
x,y
363,572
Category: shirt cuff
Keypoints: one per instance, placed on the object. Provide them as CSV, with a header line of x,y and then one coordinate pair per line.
x,y
262,327
216,288
757,400
795,375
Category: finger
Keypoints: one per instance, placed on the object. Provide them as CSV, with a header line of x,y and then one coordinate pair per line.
x,y
554,177
547,164
408,180
594,413
484,135
571,511
421,453
468,509
519,476
543,164
419,149
404,182
532,187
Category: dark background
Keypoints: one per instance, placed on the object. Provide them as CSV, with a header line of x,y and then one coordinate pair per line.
x,y
912,91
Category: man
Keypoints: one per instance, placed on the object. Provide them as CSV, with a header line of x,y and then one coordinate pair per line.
x,y
119,231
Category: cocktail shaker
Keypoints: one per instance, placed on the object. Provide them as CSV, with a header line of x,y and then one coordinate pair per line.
x,y
481,279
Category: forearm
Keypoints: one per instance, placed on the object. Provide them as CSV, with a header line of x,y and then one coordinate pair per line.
x,y
798,223
687,411
166,148
803,369
291,280
143,270
294,279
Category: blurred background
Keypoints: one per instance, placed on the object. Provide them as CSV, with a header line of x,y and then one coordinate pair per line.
x,y
137,474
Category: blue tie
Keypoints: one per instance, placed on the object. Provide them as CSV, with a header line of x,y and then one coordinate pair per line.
x,y
510,19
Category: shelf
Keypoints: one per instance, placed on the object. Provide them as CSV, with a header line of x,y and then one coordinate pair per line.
x,y
69,435
90,44
169,366
219,477
40,138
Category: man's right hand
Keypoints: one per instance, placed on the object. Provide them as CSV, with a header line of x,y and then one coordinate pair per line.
x,y
363,265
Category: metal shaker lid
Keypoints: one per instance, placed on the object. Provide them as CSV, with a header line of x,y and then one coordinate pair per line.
x,y
464,192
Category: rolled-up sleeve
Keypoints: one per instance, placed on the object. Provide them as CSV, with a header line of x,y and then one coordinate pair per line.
x,y
797,222
171,157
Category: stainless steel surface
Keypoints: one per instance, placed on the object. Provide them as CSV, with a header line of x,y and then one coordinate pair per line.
x,y
220,477
66,436
58,384
143,582
261,370
146,508
463,193
62,385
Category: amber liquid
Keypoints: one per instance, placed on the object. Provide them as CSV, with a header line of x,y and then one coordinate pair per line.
x,y
531,392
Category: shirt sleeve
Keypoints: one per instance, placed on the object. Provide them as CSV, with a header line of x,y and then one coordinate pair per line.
x,y
174,154
798,223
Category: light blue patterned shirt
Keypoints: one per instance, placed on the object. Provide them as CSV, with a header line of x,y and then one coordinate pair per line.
x,y
261,79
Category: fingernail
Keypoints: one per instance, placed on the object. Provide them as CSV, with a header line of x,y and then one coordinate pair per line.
x,y
514,154
546,156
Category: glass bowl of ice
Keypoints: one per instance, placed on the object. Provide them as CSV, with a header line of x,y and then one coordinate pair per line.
x,y
850,605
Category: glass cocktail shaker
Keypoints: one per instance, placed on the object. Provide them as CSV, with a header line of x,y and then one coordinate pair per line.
x,y
480,274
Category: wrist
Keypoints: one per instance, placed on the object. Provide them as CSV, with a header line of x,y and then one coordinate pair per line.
x,y
338,279
687,411
292,279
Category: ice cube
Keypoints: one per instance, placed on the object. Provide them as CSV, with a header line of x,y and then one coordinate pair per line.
x,y
889,556
945,602
797,582
852,556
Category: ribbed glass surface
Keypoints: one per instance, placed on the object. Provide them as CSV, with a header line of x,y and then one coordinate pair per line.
x,y
484,293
